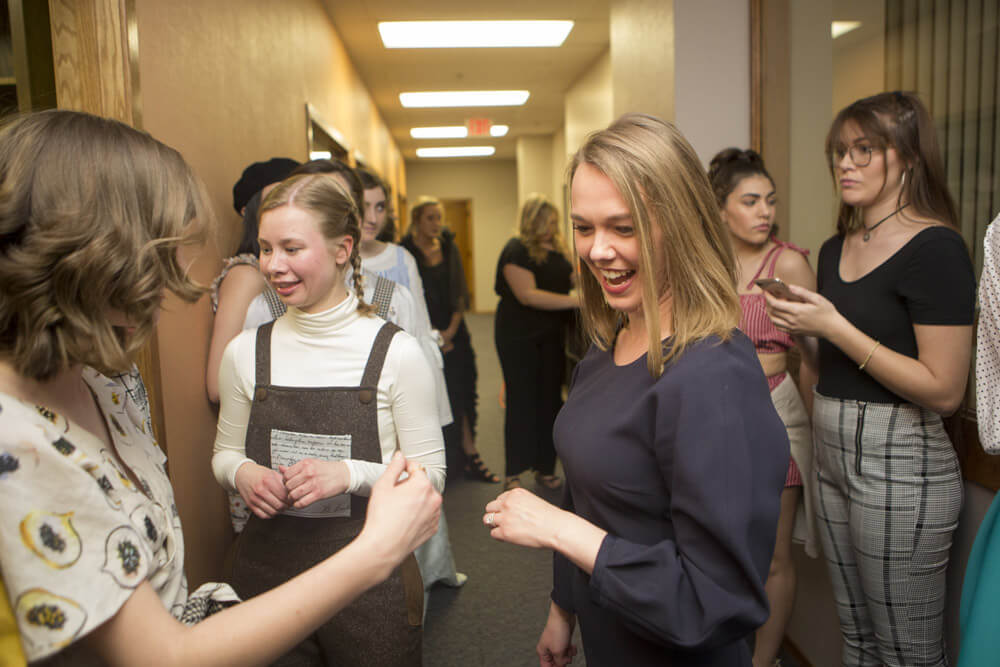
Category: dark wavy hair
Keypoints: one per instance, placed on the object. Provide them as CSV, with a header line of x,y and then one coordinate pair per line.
x,y
732,165
92,213
728,169
897,120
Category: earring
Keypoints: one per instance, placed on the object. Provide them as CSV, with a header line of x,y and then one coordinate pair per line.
x,y
902,179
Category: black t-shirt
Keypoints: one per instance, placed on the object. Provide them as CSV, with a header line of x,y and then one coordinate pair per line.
x,y
516,321
930,280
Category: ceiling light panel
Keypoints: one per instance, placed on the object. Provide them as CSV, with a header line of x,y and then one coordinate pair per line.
x,y
472,34
453,132
465,98
456,151
444,132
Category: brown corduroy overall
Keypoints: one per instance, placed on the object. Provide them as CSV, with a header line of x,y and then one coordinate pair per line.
x,y
383,626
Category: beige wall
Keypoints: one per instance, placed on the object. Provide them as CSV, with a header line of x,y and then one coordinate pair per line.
x,y
712,78
811,207
642,56
226,83
859,56
588,103
492,187
534,168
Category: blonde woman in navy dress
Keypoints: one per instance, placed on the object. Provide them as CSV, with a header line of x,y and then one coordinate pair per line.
x,y
674,456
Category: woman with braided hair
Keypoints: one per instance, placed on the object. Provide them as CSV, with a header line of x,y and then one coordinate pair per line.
x,y
312,408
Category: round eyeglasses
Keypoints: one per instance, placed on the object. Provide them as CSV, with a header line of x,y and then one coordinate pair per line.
x,y
861,156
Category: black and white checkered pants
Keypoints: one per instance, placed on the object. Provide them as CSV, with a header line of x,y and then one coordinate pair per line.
x,y
888,496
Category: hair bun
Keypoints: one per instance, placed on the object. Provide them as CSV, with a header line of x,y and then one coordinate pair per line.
x,y
728,155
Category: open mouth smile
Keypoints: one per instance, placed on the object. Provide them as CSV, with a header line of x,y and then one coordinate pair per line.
x,y
285,288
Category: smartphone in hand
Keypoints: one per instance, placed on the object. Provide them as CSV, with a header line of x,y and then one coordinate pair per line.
x,y
776,288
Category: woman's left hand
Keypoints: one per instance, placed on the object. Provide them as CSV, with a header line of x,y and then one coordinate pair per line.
x,y
311,480
520,517
813,316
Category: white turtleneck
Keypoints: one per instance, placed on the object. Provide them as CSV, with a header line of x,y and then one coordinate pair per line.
x,y
330,349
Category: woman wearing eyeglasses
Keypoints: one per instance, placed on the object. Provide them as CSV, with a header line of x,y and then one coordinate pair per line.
x,y
891,331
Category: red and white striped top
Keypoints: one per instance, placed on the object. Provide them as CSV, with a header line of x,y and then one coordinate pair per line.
x,y
755,323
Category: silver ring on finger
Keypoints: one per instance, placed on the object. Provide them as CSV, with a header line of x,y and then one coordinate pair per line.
x,y
491,519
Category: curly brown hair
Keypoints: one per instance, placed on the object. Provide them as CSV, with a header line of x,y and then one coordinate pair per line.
x,y
92,213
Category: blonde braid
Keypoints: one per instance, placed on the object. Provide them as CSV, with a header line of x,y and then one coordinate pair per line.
x,y
363,307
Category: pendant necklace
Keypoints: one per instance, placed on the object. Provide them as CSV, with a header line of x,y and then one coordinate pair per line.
x,y
869,230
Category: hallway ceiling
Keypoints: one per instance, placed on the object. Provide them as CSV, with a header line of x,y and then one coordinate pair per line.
x,y
546,72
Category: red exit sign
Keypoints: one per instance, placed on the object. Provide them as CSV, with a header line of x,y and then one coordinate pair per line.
x,y
478,127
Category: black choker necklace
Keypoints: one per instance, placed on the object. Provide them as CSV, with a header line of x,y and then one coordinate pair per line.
x,y
869,230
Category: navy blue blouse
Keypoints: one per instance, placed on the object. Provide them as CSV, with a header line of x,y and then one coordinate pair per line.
x,y
685,472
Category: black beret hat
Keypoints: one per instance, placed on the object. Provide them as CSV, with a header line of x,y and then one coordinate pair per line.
x,y
258,176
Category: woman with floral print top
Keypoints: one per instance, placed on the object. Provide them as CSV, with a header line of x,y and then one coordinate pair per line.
x,y
91,548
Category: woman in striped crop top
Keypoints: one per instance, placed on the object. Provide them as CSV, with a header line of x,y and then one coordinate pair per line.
x,y
746,196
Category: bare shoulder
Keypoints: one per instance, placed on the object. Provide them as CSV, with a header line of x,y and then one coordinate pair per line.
x,y
794,268
242,278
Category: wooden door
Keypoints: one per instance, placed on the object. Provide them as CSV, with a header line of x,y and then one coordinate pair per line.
x,y
458,218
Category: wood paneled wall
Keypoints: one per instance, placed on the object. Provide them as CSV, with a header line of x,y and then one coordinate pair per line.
x,y
93,44
95,51
948,52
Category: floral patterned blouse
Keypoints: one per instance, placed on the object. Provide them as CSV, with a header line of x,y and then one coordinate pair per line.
x,y
77,536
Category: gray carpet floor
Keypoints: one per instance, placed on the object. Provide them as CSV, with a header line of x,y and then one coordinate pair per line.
x,y
496,618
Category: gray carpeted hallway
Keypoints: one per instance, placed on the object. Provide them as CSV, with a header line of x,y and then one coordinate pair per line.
x,y
496,618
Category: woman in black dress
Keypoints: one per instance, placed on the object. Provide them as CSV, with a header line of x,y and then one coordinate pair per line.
x,y
533,280
674,455
447,295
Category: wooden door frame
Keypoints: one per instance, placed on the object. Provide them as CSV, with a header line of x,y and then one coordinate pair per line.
x,y
95,47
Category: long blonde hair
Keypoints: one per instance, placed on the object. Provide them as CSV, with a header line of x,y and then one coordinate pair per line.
x,y
539,220
662,182
92,213
325,197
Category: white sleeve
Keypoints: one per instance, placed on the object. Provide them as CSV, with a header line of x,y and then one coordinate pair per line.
x,y
414,415
235,399
416,284
420,328
988,344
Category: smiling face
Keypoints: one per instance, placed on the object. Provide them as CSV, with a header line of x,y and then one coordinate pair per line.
x,y
749,210
305,268
375,214
605,238
877,183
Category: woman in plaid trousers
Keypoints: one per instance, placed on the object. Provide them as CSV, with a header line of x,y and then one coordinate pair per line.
x,y
890,329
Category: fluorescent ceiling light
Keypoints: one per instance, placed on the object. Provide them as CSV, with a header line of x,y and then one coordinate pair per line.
x,y
456,151
472,34
453,132
320,155
444,132
838,28
465,98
